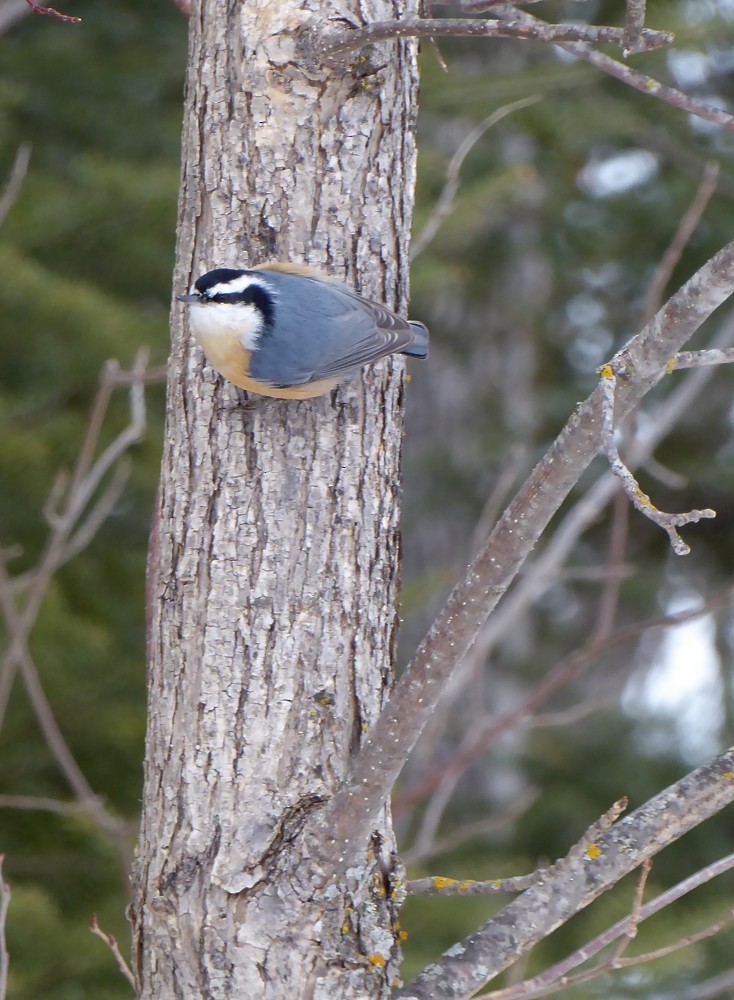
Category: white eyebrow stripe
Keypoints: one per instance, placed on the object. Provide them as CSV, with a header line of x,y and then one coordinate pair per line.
x,y
240,284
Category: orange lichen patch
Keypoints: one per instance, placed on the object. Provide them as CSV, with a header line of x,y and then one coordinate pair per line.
x,y
402,935
376,960
728,775
441,883
670,367
593,852
466,884
606,371
644,499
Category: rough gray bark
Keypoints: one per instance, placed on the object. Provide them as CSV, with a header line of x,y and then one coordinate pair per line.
x,y
273,565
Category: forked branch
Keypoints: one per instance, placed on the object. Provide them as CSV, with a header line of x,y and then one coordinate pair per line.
x,y
639,366
530,918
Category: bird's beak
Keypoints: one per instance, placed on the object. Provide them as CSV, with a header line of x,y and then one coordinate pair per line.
x,y
187,298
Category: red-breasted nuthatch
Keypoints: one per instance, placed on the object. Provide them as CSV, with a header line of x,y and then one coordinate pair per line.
x,y
288,331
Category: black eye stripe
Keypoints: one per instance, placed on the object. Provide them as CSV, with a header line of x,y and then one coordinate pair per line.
x,y
254,295
225,297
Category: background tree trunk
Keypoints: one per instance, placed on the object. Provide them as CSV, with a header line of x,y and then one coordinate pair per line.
x,y
274,563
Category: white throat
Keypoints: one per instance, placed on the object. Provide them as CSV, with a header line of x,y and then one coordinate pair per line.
x,y
214,320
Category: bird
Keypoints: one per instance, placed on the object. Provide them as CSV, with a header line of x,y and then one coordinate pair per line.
x,y
291,332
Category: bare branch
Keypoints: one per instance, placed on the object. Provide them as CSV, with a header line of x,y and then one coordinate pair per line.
x,y
711,989
99,512
111,943
639,81
634,24
562,674
83,484
686,228
664,475
439,886
477,6
15,181
446,199
640,365
685,942
615,564
55,739
38,802
641,501
633,922
551,978
698,359
543,570
37,8
68,535
469,831
476,960
338,42
513,464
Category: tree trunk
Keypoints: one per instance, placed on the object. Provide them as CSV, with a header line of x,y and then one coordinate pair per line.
x,y
274,560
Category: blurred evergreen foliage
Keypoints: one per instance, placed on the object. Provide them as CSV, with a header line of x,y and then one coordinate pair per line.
x,y
86,254
535,278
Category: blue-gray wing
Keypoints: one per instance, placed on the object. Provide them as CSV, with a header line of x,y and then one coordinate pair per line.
x,y
325,330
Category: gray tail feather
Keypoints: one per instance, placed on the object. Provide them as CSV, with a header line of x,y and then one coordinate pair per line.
x,y
419,347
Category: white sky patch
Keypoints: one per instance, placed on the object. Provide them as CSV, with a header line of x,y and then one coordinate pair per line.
x,y
684,686
689,68
620,172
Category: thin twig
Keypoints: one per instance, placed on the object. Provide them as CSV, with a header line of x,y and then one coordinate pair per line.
x,y
336,43
633,78
38,802
713,988
664,475
634,918
37,8
469,831
640,501
111,941
670,949
700,359
84,482
438,55
609,599
99,513
681,238
542,572
68,535
551,978
565,671
478,6
439,886
447,197
15,181
513,464
530,918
